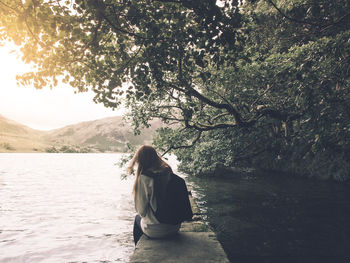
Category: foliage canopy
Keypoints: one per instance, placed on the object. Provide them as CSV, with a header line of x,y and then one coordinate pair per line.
x,y
262,83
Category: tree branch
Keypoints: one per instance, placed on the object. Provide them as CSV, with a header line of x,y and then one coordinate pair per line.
x,y
37,40
229,108
9,7
336,22
279,115
203,127
172,147
288,17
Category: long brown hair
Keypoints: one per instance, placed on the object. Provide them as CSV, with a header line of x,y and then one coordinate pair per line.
x,y
146,158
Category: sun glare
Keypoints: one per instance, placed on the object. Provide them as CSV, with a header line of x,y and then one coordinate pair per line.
x,y
46,108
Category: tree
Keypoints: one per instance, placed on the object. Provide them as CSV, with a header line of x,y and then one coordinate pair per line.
x,y
274,74
295,71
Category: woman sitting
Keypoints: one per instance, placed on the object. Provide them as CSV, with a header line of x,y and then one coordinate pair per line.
x,y
144,192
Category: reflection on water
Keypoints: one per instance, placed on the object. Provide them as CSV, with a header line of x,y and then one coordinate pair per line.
x,y
270,218
64,208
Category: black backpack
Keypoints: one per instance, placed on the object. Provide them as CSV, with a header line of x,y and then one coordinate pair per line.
x,y
173,204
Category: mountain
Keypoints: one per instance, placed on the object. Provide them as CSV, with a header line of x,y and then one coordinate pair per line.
x,y
104,135
15,137
108,134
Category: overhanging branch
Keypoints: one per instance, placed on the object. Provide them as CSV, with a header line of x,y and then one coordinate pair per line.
x,y
203,127
288,17
172,147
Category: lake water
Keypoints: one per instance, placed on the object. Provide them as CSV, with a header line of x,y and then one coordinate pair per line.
x,y
75,208
64,208
274,218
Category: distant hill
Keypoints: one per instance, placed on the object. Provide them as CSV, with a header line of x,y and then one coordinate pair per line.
x,y
104,135
108,134
15,137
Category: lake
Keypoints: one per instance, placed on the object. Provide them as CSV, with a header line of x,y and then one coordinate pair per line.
x,y
64,208
275,218
75,208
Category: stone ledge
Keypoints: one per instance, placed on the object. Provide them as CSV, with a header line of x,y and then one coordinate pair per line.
x,y
185,247
195,242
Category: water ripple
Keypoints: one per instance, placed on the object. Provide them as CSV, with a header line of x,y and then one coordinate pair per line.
x,y
64,208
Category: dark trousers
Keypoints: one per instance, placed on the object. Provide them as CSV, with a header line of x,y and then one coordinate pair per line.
x,y
137,232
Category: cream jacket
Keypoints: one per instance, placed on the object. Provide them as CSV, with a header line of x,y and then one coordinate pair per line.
x,y
145,204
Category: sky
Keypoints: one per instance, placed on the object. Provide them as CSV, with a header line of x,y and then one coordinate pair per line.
x,y
47,108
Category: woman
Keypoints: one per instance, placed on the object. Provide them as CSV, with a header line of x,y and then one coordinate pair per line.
x,y
149,162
